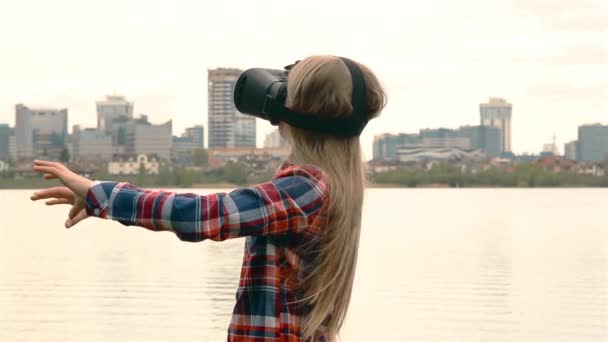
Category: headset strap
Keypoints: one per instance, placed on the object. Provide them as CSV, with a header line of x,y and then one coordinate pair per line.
x,y
346,126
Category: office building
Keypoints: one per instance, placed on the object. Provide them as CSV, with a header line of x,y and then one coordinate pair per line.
x,y
386,145
570,150
592,143
40,132
442,137
197,135
227,127
497,113
146,138
485,138
91,144
182,149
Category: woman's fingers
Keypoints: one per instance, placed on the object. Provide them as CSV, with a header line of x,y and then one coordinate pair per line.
x,y
55,192
76,208
70,222
50,170
58,201
75,182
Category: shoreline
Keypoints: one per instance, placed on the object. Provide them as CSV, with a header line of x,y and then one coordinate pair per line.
x,y
39,184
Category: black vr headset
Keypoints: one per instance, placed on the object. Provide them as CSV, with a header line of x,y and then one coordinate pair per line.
x,y
262,93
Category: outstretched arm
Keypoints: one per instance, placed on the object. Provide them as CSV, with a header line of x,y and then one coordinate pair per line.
x,y
272,208
290,203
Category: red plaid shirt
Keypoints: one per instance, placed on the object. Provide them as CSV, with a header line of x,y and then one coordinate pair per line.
x,y
281,220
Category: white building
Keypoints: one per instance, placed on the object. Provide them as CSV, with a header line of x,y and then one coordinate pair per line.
x,y
3,166
497,113
112,108
131,164
420,154
40,131
274,140
570,150
227,127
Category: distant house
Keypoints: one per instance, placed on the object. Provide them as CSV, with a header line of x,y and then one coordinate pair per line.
x,y
219,157
592,169
130,164
555,164
3,166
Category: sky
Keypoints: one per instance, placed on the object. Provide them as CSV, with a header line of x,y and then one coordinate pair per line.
x,y
437,59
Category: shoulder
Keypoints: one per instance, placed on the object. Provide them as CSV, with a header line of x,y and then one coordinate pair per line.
x,y
303,177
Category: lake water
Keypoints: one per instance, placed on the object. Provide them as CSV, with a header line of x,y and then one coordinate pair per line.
x,y
434,265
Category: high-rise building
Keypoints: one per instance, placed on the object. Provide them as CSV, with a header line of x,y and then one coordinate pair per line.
x,y
91,144
274,140
497,113
5,135
40,132
112,108
570,150
592,143
226,126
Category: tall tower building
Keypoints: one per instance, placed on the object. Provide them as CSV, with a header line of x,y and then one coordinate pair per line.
x,y
497,113
113,108
226,126
40,131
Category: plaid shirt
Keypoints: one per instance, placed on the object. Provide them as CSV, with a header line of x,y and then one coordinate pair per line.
x,y
276,217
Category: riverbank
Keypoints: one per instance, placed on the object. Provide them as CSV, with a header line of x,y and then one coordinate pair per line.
x,y
35,183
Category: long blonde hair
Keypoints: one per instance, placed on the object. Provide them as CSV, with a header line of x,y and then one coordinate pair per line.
x,y
322,84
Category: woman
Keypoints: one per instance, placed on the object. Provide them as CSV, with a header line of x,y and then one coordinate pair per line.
x,y
302,227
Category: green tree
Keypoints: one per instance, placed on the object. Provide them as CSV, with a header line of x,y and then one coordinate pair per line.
x,y
141,174
235,173
200,157
101,171
165,175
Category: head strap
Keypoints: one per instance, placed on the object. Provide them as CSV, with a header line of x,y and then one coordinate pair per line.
x,y
345,126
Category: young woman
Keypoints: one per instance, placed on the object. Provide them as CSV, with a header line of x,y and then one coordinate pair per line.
x,y
301,228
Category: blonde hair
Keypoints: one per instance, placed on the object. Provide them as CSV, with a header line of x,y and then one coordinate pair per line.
x,y
322,84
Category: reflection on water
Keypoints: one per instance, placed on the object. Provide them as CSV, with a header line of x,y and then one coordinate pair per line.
x,y
434,265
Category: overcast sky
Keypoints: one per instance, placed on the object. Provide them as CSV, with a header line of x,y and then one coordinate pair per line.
x,y
438,59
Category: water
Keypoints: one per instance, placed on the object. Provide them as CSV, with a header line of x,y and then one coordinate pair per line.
x,y
434,265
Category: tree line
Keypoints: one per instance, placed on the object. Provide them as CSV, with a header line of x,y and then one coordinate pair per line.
x,y
523,175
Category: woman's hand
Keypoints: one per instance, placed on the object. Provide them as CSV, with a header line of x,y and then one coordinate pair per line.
x,y
74,193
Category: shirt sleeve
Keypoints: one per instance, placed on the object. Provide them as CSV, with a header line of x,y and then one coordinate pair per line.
x,y
272,208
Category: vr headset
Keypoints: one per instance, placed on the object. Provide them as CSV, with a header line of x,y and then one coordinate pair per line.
x,y
262,93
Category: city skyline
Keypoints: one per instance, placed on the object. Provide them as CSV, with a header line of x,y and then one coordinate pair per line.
x,y
121,105
438,61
